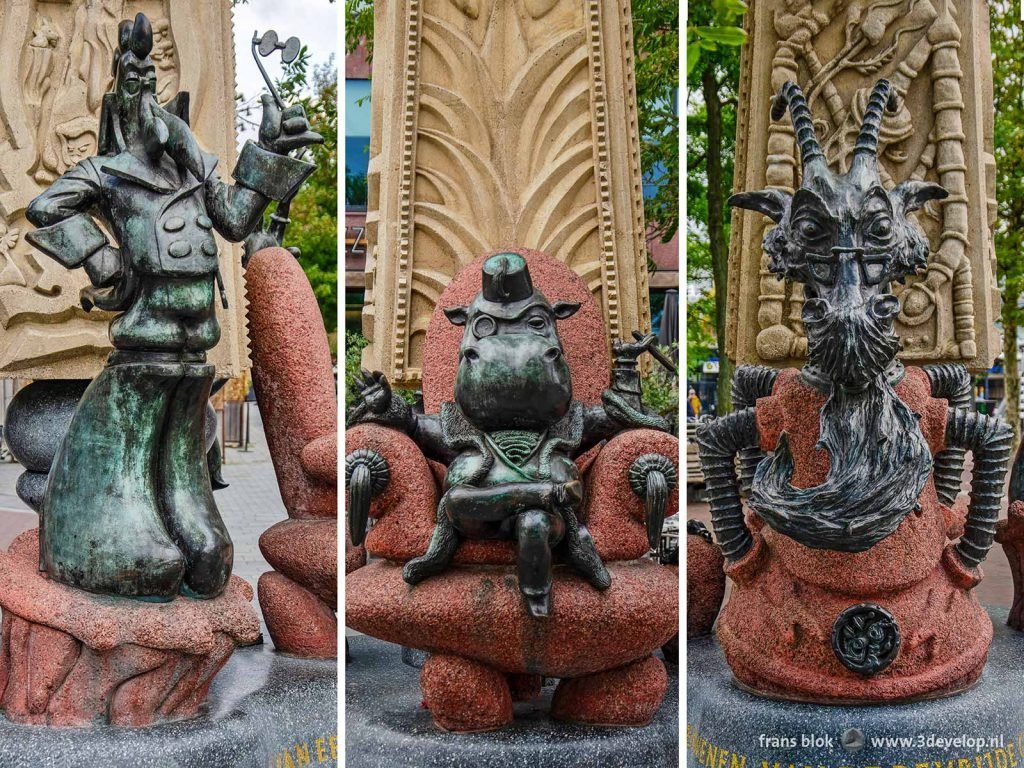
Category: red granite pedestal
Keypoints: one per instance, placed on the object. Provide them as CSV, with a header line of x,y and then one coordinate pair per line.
x,y
73,658
788,605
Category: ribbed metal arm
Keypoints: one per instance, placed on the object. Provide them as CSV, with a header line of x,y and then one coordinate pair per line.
x,y
952,382
989,439
718,443
749,382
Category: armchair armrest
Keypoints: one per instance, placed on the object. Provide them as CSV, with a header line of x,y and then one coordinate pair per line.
x,y
405,506
615,513
319,458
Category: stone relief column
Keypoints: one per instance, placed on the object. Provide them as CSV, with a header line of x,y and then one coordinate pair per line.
x,y
499,124
60,54
936,54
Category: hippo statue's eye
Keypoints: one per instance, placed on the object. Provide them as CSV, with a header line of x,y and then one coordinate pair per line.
x,y
484,326
537,323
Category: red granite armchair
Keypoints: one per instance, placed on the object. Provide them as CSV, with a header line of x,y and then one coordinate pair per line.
x,y
294,383
486,649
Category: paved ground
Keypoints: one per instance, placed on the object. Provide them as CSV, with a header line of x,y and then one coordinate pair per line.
x,y
249,506
997,587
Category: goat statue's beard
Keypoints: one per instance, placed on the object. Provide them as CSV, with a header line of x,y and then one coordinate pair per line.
x,y
852,343
879,459
162,132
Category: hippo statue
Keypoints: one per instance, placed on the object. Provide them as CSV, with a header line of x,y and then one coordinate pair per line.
x,y
514,511
510,436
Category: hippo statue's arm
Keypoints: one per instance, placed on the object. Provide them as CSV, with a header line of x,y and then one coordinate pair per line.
x,y
616,414
952,383
425,430
719,442
378,405
989,439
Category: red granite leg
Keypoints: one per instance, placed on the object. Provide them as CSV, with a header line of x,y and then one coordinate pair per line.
x,y
1010,533
626,696
464,695
525,687
299,622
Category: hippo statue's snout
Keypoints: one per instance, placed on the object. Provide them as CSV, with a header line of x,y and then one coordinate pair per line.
x,y
513,381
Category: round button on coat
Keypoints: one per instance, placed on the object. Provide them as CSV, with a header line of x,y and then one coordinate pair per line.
x,y
174,224
204,221
179,249
209,248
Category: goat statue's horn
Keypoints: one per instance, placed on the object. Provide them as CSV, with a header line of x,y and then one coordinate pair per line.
x,y
790,96
883,98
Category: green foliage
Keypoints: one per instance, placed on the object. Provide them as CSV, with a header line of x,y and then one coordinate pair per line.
x,y
708,32
314,211
711,158
656,45
660,390
354,345
1007,39
356,189
359,26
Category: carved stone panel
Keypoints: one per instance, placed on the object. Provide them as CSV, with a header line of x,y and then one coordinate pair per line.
x,y
499,123
59,55
936,54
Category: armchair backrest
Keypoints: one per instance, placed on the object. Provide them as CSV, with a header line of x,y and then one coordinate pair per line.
x,y
584,337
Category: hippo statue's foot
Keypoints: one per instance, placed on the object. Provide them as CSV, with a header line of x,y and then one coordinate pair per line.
x,y
439,554
536,532
464,695
538,605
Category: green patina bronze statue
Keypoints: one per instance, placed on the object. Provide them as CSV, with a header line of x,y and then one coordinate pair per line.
x,y
511,435
129,508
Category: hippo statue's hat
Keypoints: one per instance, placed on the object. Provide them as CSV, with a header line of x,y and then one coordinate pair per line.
x,y
507,289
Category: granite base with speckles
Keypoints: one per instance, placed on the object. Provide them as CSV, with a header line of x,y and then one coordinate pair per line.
x,y
729,726
264,709
386,726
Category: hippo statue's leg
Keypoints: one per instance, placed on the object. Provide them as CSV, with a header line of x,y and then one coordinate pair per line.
x,y
581,553
439,554
536,532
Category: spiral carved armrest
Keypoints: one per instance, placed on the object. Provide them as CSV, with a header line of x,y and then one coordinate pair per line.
x,y
366,475
953,383
404,508
652,476
631,488
719,442
750,382
989,439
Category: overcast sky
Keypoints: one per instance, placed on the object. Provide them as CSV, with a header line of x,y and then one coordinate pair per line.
x,y
314,22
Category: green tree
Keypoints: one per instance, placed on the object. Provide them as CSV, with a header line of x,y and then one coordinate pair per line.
x,y
713,83
656,53
1007,36
359,26
314,211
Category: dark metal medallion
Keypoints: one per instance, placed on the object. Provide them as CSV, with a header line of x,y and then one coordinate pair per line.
x,y
866,638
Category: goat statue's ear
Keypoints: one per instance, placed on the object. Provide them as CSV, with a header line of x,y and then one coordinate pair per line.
x,y
457,315
564,309
773,203
912,195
